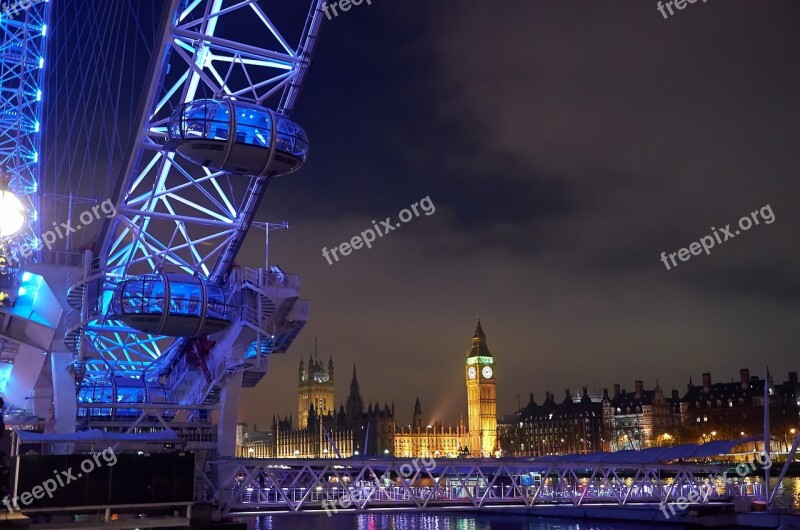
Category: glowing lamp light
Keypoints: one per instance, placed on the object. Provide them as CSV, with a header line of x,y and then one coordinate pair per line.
x,y
12,214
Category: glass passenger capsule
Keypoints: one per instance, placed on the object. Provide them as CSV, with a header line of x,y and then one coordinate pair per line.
x,y
119,390
172,304
237,137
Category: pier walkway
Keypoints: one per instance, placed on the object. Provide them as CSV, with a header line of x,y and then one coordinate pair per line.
x,y
252,486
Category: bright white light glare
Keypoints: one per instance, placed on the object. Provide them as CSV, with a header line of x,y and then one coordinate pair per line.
x,y
41,62
12,214
22,291
38,95
27,276
44,30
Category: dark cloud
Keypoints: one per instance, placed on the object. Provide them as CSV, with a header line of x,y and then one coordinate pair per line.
x,y
566,145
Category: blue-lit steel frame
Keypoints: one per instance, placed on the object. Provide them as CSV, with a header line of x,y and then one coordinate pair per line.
x,y
22,62
172,214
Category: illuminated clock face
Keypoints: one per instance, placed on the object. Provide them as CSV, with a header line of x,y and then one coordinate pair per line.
x,y
487,372
472,372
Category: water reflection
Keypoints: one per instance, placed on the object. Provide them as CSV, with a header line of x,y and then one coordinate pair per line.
x,y
434,521
788,496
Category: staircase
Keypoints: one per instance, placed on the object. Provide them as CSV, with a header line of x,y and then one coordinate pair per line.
x,y
75,321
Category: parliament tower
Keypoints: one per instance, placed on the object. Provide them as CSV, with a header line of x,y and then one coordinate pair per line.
x,y
315,388
481,397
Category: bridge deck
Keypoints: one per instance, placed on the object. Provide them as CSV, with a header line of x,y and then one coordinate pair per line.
x,y
333,485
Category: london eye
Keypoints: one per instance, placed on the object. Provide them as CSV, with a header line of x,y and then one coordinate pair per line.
x,y
123,308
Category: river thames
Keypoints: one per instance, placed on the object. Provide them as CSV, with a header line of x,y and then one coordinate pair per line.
x,y
437,521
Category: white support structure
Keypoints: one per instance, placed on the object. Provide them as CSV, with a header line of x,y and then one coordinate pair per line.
x,y
227,417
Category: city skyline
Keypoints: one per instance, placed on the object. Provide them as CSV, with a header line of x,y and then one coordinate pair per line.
x,y
405,405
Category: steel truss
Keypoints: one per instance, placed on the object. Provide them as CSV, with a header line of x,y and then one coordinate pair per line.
x,y
252,486
22,58
173,214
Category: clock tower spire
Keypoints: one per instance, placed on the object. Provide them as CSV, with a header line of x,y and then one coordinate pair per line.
x,y
481,396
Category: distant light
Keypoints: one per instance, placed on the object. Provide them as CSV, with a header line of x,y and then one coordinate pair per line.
x,y
41,62
36,126
12,214
35,157
44,30
38,94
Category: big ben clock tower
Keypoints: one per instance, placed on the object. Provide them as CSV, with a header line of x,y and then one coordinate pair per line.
x,y
481,396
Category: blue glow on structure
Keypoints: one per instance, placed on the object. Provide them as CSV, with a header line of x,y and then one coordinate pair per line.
x,y
23,62
5,373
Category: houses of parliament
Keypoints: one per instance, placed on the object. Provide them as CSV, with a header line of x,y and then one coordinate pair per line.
x,y
580,423
357,427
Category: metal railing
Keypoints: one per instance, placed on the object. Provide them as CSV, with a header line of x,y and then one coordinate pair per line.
x,y
65,258
294,485
263,279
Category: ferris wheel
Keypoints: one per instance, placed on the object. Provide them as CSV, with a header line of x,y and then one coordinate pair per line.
x,y
155,309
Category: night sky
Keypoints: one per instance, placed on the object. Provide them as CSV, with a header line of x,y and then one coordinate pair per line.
x,y
565,145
